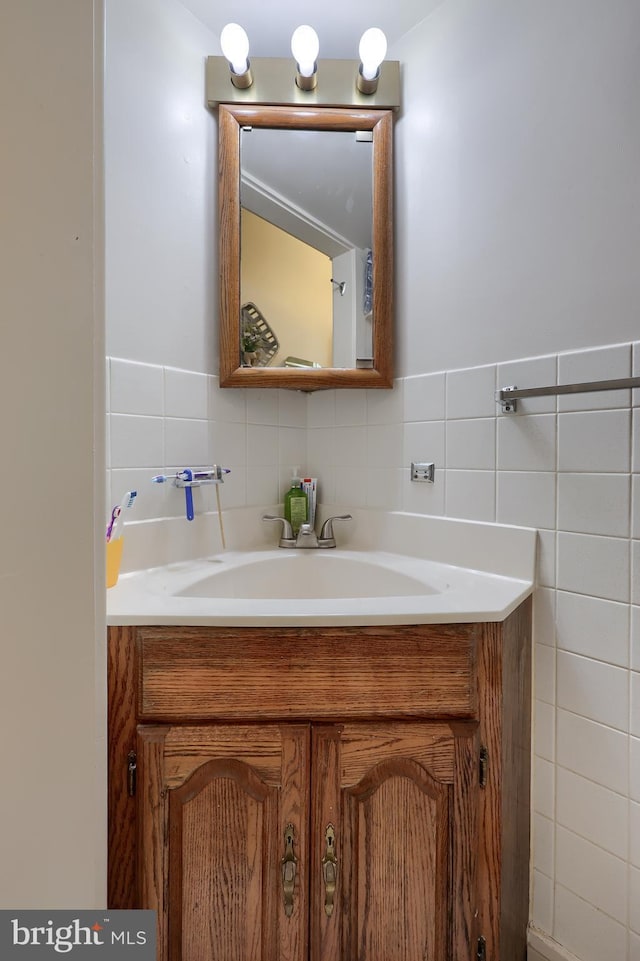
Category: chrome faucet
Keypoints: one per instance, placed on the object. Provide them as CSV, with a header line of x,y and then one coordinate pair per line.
x,y
307,537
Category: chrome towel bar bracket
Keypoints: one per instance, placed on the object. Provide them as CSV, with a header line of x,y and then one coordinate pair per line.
x,y
507,396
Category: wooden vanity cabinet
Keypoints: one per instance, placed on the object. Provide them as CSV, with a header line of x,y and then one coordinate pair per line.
x,y
323,794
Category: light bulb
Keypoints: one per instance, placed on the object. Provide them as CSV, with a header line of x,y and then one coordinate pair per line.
x,y
305,47
235,47
372,50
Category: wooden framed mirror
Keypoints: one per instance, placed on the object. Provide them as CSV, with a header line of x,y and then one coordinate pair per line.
x,y
361,329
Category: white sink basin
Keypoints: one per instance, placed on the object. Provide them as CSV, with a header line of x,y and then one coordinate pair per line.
x,y
396,569
312,574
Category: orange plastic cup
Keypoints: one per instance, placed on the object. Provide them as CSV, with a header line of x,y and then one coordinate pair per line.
x,y
114,557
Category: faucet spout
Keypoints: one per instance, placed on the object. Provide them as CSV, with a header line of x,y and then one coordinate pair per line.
x,y
306,536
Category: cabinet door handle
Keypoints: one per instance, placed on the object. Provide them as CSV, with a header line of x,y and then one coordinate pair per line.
x,y
329,869
288,863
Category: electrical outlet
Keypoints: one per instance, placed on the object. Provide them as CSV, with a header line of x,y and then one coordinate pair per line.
x,y
423,472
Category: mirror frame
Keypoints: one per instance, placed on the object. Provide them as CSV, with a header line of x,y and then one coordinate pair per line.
x,y
231,118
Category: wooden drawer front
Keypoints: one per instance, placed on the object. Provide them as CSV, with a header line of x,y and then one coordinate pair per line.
x,y
200,673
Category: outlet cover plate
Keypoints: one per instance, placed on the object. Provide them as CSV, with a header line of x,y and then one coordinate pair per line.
x,y
423,472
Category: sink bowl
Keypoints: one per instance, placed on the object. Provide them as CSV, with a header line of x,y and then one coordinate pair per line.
x,y
401,569
310,574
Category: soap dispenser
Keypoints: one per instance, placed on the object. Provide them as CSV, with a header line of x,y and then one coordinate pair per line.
x,y
295,503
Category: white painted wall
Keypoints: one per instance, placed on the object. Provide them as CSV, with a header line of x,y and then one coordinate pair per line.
x,y
518,155
161,176
52,748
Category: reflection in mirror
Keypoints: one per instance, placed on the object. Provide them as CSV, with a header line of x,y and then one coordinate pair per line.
x,y
305,245
306,242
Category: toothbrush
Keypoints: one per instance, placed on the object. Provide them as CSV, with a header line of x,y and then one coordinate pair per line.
x,y
115,513
187,475
116,524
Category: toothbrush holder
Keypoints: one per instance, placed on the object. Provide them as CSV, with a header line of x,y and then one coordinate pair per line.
x,y
114,559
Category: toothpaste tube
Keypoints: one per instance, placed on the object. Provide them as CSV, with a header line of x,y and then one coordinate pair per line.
x,y
309,485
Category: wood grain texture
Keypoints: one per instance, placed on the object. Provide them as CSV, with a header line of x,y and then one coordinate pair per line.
x,y
396,844
294,809
397,794
222,821
464,934
326,809
212,836
516,782
398,789
383,235
231,118
152,832
121,725
504,687
375,731
364,745
293,673
188,746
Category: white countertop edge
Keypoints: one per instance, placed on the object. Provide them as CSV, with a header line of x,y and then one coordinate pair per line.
x,y
448,609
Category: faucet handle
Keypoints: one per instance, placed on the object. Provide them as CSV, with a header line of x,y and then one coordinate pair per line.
x,y
286,538
327,538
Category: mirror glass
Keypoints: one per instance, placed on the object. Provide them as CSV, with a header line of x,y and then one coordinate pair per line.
x,y
306,246
306,251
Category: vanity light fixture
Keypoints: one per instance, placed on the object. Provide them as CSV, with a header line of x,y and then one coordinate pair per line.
x,y
305,47
235,47
372,51
371,82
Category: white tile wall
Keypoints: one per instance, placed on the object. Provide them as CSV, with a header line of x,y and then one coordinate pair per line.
x,y
135,388
593,627
424,397
471,444
533,372
542,906
163,418
585,818
587,931
634,818
594,503
470,392
593,565
593,689
634,776
635,572
527,443
568,466
595,440
526,498
603,363
471,494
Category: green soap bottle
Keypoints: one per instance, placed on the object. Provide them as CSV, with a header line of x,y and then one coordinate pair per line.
x,y
295,503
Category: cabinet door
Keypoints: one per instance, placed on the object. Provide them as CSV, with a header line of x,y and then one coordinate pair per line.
x,y
231,803
393,842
